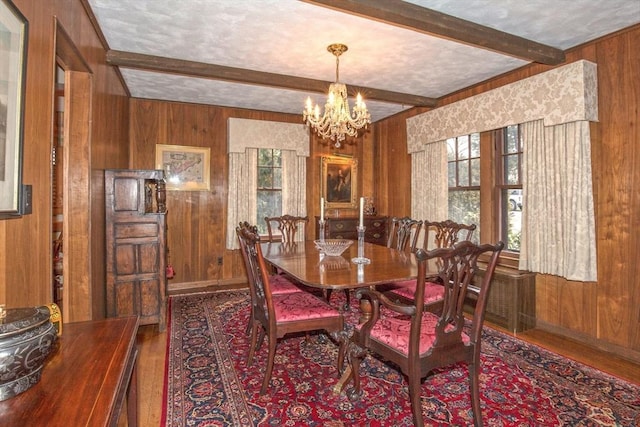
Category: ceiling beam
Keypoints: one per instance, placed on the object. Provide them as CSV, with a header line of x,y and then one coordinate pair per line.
x,y
240,75
428,21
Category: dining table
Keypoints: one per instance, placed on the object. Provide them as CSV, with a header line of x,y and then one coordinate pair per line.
x,y
306,264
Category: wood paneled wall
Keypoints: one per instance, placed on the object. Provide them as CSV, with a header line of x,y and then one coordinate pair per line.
x,y
124,133
197,220
605,313
26,243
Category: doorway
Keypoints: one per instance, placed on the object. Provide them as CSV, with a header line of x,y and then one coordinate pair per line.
x,y
72,186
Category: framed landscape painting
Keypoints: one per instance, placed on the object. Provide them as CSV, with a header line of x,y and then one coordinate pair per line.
x,y
185,168
13,51
339,182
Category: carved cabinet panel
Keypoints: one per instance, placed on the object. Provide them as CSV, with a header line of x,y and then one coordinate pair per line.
x,y
136,245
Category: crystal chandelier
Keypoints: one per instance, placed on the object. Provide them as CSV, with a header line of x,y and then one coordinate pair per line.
x,y
337,122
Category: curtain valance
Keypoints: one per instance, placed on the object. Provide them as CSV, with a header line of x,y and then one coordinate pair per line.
x,y
247,133
562,95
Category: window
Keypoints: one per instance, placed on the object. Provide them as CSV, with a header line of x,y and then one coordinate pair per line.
x,y
269,193
509,185
463,156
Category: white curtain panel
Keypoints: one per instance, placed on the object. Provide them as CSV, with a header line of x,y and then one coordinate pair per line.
x,y
558,234
241,200
429,186
294,187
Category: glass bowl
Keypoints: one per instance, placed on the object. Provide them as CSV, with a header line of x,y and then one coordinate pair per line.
x,y
333,247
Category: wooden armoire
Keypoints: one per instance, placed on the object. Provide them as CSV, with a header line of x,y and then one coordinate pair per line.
x,y
136,245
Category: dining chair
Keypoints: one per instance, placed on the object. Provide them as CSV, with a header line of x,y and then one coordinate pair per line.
x,y
437,234
402,231
275,316
419,341
279,283
288,225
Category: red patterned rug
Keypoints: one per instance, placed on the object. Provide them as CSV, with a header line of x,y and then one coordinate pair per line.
x,y
208,383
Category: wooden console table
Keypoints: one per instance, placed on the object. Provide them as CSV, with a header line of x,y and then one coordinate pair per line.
x,y
85,381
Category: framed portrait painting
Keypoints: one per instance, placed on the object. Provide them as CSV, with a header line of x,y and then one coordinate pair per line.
x,y
185,168
339,182
13,59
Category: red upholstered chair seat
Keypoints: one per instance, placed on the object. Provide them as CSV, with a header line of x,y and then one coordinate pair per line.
x,y
393,331
282,285
297,306
407,288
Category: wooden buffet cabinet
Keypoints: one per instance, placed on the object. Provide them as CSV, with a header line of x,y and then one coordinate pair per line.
x,y
136,282
345,227
88,380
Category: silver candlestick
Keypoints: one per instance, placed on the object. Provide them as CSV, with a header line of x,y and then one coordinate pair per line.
x,y
321,223
361,258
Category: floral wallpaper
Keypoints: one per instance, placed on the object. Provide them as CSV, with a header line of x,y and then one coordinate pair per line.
x,y
562,95
245,133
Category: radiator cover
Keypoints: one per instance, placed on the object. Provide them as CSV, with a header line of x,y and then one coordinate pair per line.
x,y
512,298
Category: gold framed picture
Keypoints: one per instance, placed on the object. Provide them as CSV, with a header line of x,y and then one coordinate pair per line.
x,y
185,168
13,57
339,182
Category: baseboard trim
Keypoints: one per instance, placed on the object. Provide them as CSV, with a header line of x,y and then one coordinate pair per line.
x,y
625,353
188,287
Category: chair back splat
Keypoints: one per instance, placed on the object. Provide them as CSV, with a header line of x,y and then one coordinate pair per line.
x,y
288,225
443,234
419,341
402,231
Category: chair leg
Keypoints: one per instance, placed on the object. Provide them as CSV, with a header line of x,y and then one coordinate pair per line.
x,y
414,396
252,344
250,323
474,368
355,355
270,359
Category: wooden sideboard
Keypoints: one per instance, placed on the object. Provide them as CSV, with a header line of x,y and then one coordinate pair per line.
x,y
376,228
86,381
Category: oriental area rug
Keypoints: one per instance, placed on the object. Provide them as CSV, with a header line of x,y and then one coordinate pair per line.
x,y
208,382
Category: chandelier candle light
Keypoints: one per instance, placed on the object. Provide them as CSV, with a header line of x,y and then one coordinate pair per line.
x,y
337,122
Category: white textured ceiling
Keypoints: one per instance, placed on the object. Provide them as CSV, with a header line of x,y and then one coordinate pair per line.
x,y
290,37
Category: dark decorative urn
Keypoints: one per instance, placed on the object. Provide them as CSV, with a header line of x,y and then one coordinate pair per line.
x,y
27,336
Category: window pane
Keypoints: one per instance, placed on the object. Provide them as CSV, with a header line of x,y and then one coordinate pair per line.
x,y
463,147
512,145
464,207
269,203
277,158
452,174
451,149
277,178
511,170
512,214
265,178
463,173
475,172
265,157
475,145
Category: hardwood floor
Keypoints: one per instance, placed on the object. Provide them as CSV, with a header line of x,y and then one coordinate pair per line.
x,y
152,352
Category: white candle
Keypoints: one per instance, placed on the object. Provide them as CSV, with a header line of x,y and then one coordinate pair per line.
x,y
321,208
361,211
